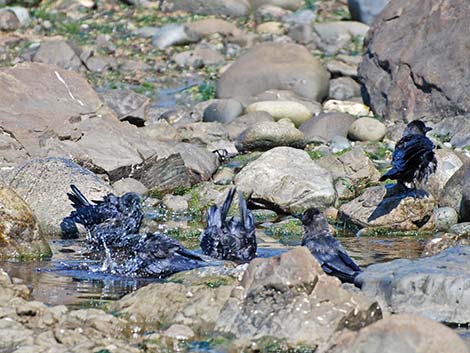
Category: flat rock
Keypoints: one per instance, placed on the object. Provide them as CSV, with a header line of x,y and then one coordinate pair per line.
x,y
61,53
405,78
128,105
391,208
299,71
324,126
290,297
367,129
43,184
267,135
288,178
433,286
401,333
294,111
20,234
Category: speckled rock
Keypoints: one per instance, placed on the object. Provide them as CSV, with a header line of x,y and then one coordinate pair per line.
x,y
445,217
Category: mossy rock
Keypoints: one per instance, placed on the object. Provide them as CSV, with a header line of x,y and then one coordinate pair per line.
x,y
289,232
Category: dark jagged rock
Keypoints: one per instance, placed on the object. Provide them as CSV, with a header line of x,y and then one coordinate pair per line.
x,y
229,239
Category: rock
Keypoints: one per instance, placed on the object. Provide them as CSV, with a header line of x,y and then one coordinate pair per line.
x,y
128,105
344,65
388,207
343,88
455,128
353,166
60,53
402,333
20,234
174,34
302,33
456,193
366,10
224,176
240,124
326,125
44,183
179,332
188,59
266,12
8,20
448,240
367,129
349,107
299,72
405,79
267,135
271,27
162,130
445,217
99,63
285,4
11,151
339,144
290,180
331,37
223,111
203,133
210,26
209,7
289,297
294,111
175,203
301,17
122,186
431,286
448,163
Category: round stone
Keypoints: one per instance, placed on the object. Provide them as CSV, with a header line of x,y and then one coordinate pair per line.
x,y
367,129
445,217
294,111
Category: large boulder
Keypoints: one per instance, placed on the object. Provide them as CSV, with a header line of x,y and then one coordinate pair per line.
x,y
456,192
289,297
209,7
20,234
287,178
400,334
406,78
435,286
44,183
296,70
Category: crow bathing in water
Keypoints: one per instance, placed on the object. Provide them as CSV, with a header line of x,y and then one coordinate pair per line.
x,y
107,220
327,250
413,159
232,239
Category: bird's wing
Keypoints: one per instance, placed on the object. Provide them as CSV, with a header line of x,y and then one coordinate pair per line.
x,y
77,198
410,150
227,203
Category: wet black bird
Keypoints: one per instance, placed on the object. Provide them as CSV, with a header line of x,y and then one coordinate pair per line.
x,y
326,248
107,220
413,160
150,255
229,239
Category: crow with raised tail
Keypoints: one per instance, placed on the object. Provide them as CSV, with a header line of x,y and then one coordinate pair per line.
x,y
106,220
413,160
328,251
229,239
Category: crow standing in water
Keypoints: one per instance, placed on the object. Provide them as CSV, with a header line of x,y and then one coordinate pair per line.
x,y
327,250
107,220
232,239
413,159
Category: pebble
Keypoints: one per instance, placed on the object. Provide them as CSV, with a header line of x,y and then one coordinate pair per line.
x,y
367,129
445,217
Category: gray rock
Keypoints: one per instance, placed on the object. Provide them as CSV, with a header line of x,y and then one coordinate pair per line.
x,y
240,124
460,235
326,125
367,129
445,217
223,111
273,12
301,17
174,34
175,203
294,111
14,335
44,183
366,10
287,178
344,65
188,59
60,53
339,143
99,63
22,14
456,129
289,297
146,32
209,7
343,88
8,20
203,133
267,135
302,33
128,105
224,176
301,73
122,186
448,163
208,27
388,207
417,81
285,4
432,286
21,235
179,332
331,37
400,334
456,193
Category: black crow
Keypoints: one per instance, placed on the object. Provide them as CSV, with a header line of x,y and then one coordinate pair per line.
x,y
105,220
232,239
326,248
413,160
150,255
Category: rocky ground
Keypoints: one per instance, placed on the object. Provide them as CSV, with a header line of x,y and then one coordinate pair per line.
x,y
137,95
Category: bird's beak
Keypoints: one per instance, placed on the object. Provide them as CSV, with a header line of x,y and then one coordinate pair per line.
x,y
297,215
428,128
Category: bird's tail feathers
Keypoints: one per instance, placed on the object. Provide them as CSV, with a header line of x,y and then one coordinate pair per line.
x,y
389,175
227,203
247,216
77,198
214,217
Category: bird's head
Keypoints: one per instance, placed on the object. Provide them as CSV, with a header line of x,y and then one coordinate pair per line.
x,y
311,216
130,201
416,127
